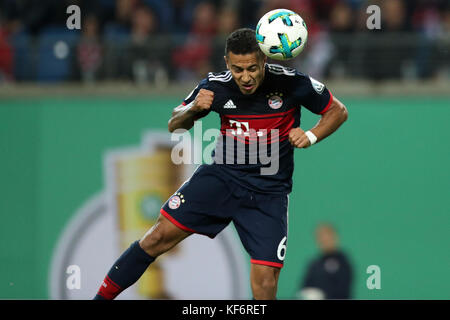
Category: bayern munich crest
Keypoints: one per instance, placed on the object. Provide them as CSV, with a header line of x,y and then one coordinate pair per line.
x,y
175,201
275,101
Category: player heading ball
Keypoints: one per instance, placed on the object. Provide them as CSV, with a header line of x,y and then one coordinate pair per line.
x,y
251,94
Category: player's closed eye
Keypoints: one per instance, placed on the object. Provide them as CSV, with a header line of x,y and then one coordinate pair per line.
x,y
240,70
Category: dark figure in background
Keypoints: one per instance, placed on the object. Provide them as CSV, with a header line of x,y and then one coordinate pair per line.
x,y
89,50
329,276
386,55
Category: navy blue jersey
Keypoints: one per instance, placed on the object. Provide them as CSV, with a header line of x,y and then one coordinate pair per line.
x,y
255,128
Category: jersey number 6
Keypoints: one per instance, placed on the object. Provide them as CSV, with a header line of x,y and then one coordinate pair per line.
x,y
281,252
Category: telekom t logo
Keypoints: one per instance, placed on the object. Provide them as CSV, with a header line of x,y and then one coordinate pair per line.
x,y
242,128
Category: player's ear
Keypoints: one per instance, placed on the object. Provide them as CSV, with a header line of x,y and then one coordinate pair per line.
x,y
226,61
264,58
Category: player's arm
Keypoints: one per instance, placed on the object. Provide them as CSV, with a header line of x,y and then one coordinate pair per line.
x,y
183,116
329,122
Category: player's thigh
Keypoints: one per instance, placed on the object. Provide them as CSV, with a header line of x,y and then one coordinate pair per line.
x,y
263,230
202,205
162,236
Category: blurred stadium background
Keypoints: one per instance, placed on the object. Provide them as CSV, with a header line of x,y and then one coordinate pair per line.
x,y
67,97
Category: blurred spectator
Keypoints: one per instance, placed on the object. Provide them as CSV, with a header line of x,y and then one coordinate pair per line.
x,y
341,18
192,60
144,24
385,56
89,50
147,53
394,15
341,24
6,53
428,19
124,12
318,51
6,57
329,276
317,58
228,21
204,22
444,52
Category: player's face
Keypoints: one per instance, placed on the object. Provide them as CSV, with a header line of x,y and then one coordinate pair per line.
x,y
247,70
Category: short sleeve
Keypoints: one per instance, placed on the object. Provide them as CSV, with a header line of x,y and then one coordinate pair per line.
x,y
191,97
312,94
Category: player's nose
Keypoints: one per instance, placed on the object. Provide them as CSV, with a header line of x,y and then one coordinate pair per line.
x,y
245,78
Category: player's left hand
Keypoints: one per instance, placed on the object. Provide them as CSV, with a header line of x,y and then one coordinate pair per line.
x,y
298,138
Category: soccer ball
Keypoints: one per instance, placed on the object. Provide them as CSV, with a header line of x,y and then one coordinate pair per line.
x,y
281,34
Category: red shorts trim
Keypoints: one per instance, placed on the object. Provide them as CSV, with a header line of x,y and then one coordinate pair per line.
x,y
175,222
267,263
183,227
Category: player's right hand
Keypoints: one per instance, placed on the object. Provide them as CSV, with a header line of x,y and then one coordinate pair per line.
x,y
203,100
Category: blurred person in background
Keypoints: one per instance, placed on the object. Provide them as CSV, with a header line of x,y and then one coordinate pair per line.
x,y
329,276
146,54
228,21
6,53
385,51
443,54
192,60
124,12
89,50
341,18
341,26
428,20
319,49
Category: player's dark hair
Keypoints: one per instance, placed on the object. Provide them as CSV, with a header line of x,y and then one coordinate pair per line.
x,y
242,41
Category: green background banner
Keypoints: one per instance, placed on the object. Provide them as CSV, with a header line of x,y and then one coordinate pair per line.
x,y
383,180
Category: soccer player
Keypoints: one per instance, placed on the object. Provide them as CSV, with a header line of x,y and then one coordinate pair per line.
x,y
259,105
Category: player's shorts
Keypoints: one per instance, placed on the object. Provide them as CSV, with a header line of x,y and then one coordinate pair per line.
x,y
209,201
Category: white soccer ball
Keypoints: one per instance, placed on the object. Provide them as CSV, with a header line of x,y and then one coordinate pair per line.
x,y
281,34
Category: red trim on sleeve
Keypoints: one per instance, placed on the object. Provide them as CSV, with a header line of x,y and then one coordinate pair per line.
x,y
183,103
329,103
267,263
